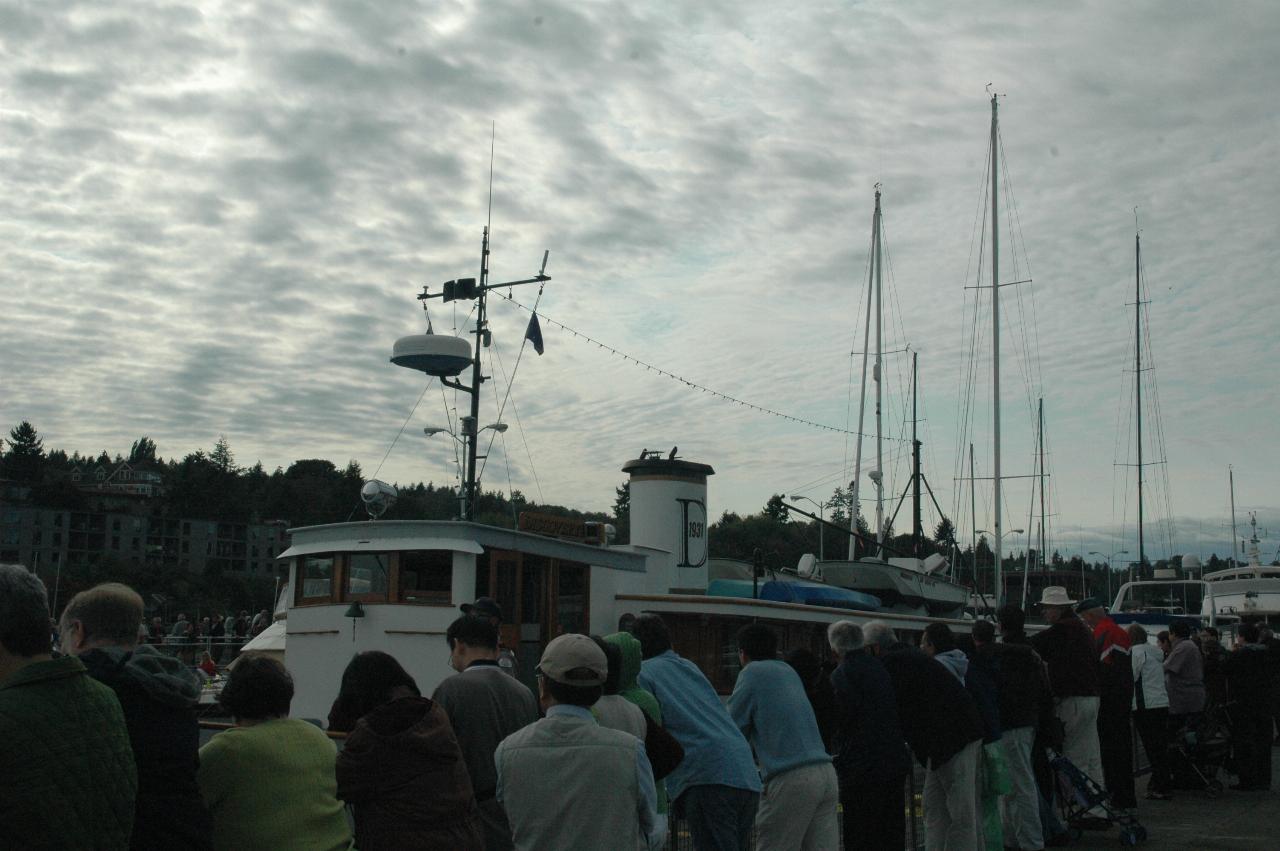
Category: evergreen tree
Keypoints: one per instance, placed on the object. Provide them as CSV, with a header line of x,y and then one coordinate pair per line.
x,y
221,456
24,461
775,510
143,452
944,533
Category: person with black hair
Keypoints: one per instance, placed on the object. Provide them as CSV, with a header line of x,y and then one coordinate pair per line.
x,y
484,706
716,788
1250,692
401,769
292,801
798,804
816,677
1183,676
565,781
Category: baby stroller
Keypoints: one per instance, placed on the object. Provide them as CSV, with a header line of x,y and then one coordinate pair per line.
x,y
1200,750
1080,794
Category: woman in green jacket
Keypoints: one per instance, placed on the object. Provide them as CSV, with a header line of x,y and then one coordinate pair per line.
x,y
269,782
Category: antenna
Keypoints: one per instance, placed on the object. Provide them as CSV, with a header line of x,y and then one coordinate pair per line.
x,y
493,137
545,254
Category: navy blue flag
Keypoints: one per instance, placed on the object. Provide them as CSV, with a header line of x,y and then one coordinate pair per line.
x,y
534,333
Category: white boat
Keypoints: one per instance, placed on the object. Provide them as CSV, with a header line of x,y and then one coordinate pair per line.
x,y
1157,603
1252,590
396,585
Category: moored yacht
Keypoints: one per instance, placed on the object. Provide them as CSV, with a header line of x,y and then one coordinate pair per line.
x,y
1251,590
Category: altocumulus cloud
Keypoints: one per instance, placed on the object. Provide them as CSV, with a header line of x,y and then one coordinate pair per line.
x,y
215,216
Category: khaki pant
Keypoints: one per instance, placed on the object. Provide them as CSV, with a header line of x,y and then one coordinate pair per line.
x,y
1021,806
951,818
798,810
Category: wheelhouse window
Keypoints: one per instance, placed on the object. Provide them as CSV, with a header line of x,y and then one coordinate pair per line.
x,y
426,576
368,576
316,574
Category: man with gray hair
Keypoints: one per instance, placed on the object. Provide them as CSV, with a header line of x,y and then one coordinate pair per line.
x,y
67,778
941,724
871,755
158,694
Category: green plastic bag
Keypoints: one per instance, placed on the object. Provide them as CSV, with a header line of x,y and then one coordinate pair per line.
x,y
995,783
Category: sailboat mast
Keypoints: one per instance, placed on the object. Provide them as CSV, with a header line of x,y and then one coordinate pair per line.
x,y
995,346
916,531
1040,428
1137,381
862,400
973,518
878,476
1235,539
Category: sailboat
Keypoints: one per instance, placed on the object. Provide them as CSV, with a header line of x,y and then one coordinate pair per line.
x,y
906,585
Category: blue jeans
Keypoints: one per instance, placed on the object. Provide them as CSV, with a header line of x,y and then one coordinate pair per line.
x,y
720,818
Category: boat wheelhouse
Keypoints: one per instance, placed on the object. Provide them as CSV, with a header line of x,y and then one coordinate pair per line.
x,y
396,585
1157,603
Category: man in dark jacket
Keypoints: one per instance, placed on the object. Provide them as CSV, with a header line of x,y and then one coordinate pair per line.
x,y
1115,681
1067,649
871,753
158,695
943,730
67,778
1024,699
1249,688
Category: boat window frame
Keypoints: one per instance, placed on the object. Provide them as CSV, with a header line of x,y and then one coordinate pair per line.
x,y
397,592
344,594
301,598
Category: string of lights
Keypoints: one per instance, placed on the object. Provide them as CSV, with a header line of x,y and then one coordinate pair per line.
x,y
542,317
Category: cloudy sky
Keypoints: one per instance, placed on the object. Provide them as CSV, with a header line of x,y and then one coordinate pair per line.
x,y
215,217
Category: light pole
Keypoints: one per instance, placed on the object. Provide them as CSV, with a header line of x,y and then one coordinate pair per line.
x,y
469,432
821,537
1109,558
999,592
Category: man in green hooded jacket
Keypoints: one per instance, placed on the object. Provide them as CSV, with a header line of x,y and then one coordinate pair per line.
x,y
67,776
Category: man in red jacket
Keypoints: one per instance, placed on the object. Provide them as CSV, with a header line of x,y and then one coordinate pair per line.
x,y
1115,677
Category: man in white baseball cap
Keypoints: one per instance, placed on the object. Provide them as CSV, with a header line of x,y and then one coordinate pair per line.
x,y
568,783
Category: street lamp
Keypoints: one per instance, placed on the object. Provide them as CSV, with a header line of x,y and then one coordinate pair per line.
x,y
469,431
821,537
1109,558
999,592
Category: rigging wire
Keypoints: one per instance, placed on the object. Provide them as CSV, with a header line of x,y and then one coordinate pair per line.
x,y
524,438
679,378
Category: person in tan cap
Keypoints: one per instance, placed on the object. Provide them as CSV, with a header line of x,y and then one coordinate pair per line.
x,y
565,781
1068,651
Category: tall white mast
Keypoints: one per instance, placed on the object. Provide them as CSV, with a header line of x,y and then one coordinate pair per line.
x,y
862,401
878,476
1235,540
995,349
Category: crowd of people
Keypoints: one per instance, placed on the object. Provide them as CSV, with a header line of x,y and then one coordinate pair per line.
x,y
99,744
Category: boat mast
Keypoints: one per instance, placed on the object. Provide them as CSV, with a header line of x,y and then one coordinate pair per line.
x,y
1235,540
862,402
916,532
973,518
877,476
1137,381
995,347
1043,549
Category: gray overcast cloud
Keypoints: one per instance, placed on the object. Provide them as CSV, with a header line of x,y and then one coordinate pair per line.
x,y
215,218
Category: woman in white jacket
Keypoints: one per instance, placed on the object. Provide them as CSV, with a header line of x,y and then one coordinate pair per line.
x,y
1151,711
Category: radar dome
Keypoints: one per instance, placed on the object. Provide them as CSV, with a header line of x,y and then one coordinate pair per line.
x,y
435,354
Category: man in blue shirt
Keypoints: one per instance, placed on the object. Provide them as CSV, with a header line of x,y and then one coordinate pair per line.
x,y
716,787
798,804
